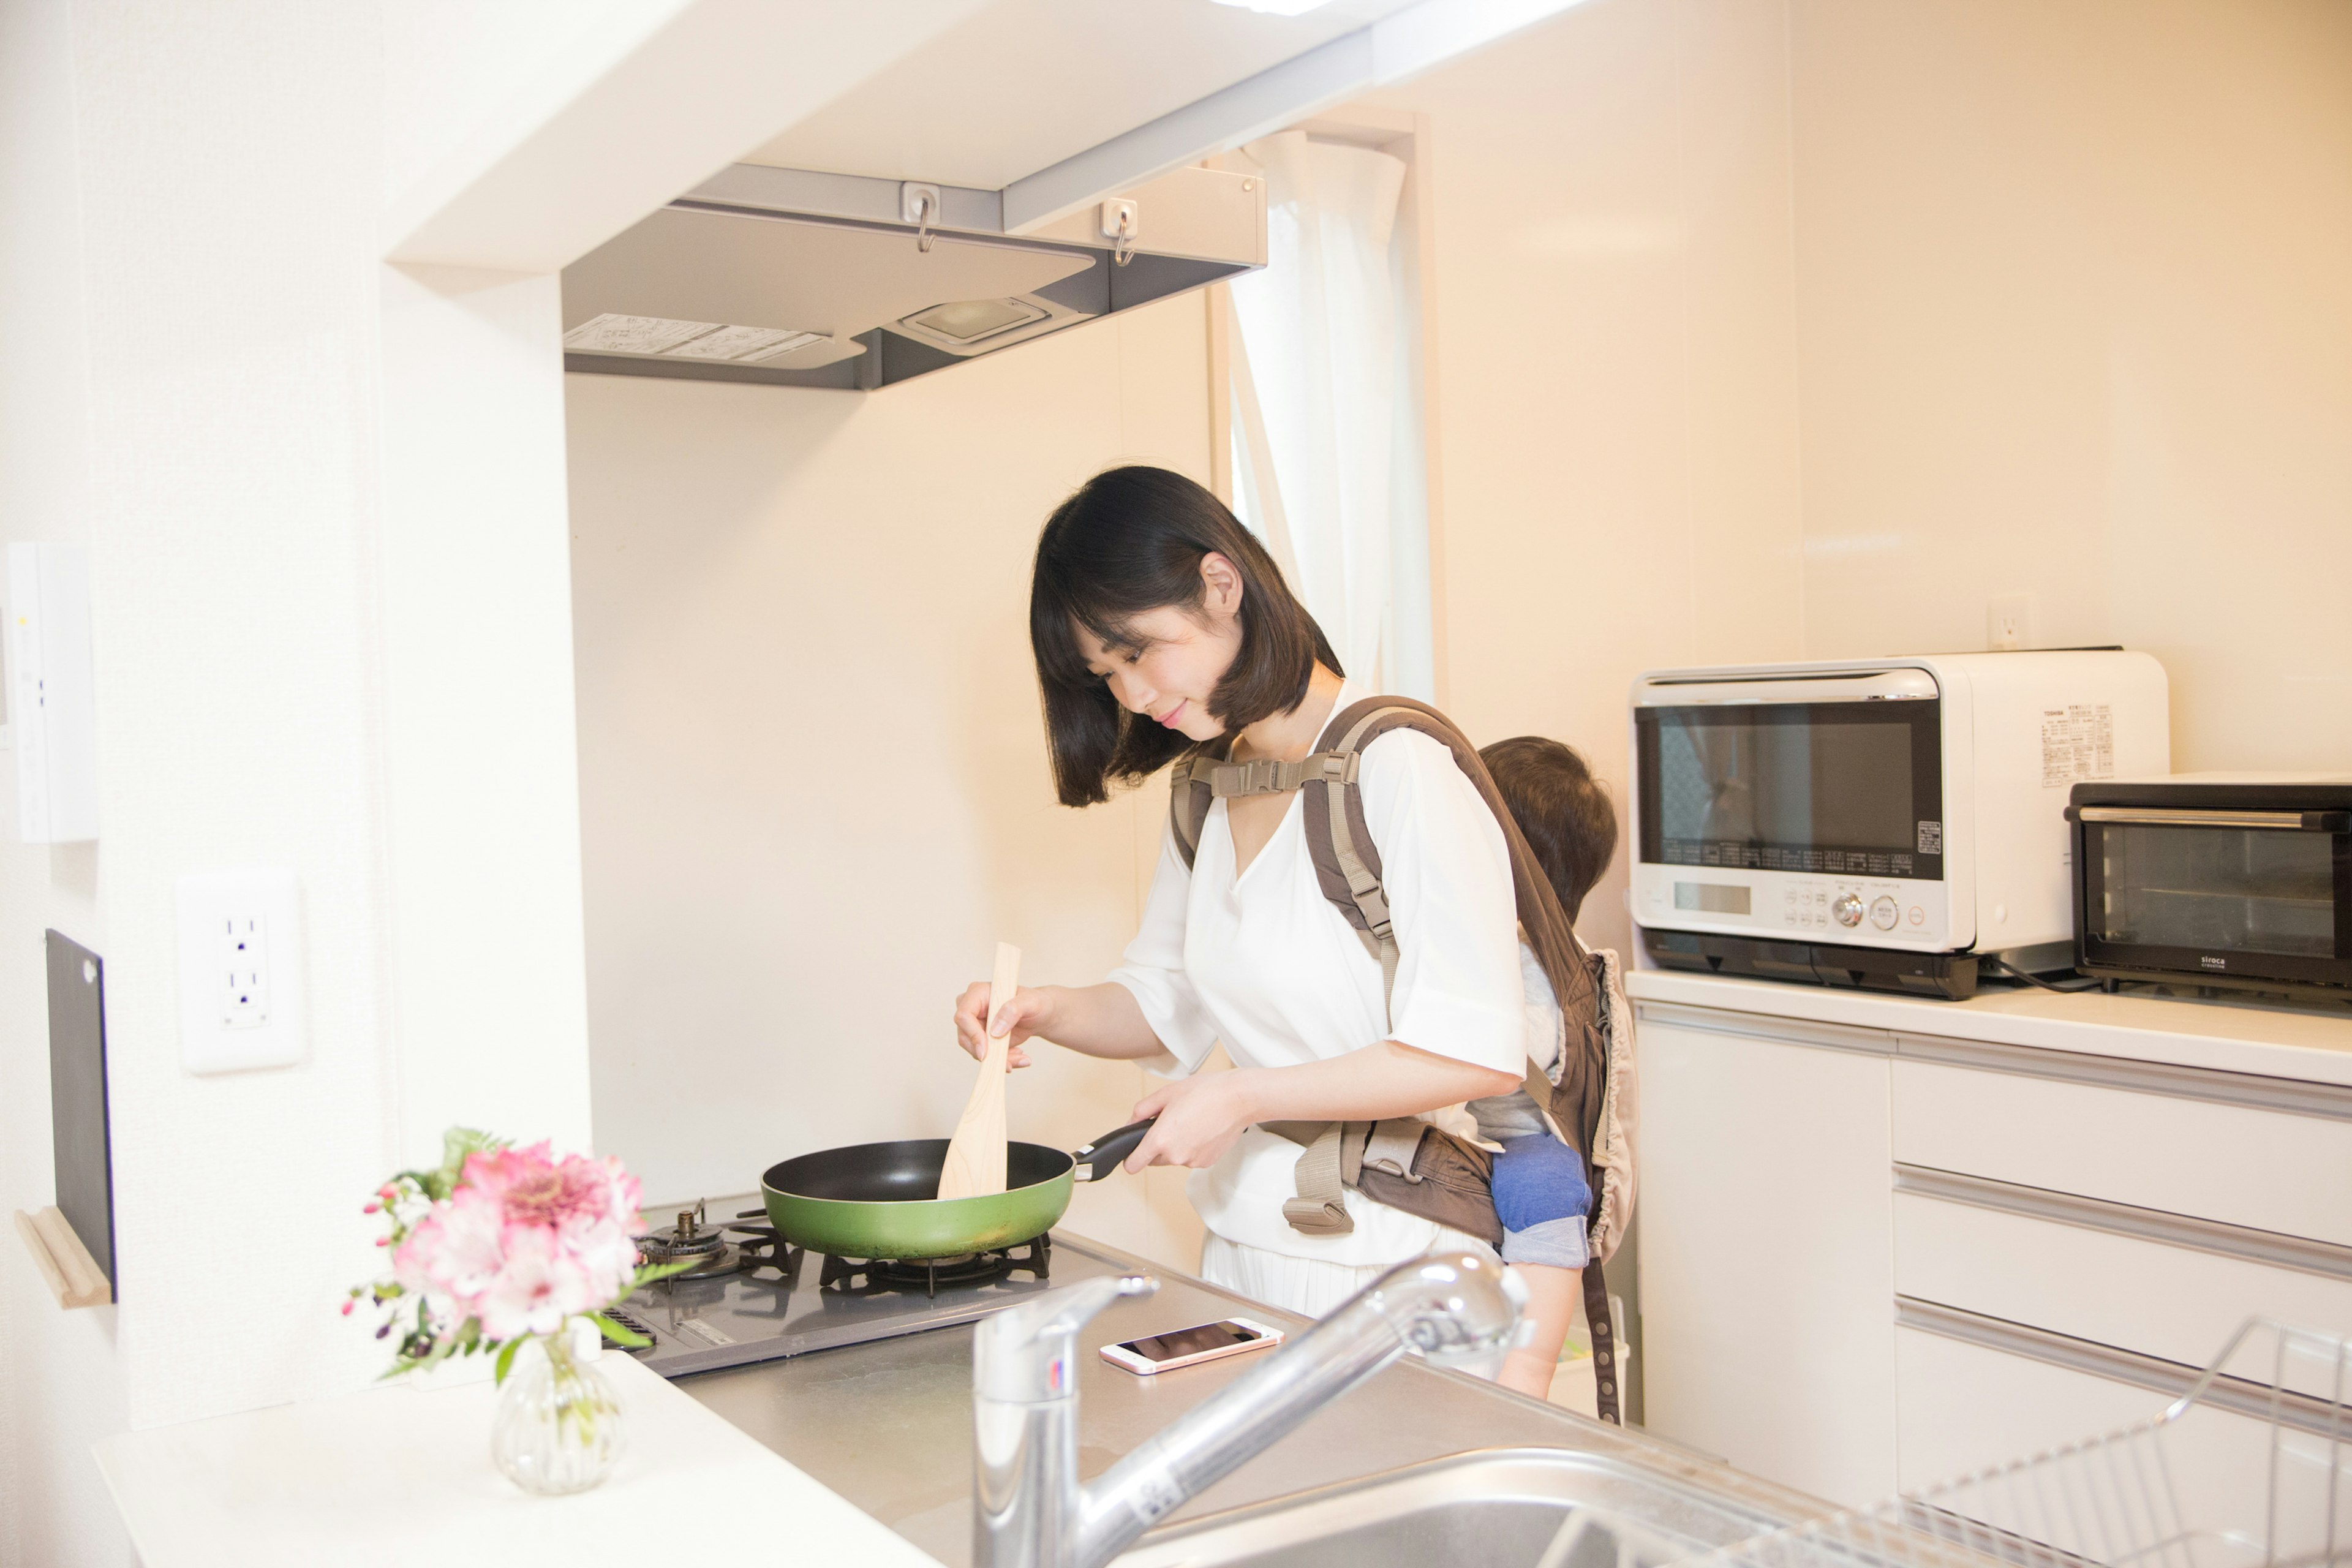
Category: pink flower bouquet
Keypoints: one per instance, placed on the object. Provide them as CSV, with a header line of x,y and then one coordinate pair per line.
x,y
500,1245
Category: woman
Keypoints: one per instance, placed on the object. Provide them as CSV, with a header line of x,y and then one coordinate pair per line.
x,y
1159,624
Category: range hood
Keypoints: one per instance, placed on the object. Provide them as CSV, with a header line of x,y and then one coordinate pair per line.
x,y
790,277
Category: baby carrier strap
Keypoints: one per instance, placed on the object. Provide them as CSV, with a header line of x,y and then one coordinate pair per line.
x,y
1348,863
1189,797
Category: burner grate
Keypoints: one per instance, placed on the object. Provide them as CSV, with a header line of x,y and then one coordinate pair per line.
x,y
766,1255
874,1274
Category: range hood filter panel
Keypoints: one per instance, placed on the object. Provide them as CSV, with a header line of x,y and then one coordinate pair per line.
x,y
759,269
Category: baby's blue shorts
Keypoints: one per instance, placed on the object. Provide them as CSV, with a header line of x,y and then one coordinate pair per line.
x,y
1542,1198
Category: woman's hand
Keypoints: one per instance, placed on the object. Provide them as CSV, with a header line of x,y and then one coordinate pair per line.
x,y
1024,1019
1197,1119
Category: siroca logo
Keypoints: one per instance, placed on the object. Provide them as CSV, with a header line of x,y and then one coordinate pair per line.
x,y
2210,961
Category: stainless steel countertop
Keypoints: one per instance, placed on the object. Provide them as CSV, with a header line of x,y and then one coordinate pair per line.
x,y
889,1424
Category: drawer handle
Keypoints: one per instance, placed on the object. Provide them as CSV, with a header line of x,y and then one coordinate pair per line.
x,y
2169,1378
2156,816
2274,1248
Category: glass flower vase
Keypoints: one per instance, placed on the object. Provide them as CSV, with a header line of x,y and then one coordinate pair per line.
x,y
560,1427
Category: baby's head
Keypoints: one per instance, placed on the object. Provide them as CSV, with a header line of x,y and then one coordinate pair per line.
x,y
1560,807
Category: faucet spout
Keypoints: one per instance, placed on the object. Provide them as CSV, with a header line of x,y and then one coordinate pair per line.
x,y
1025,1423
1449,1306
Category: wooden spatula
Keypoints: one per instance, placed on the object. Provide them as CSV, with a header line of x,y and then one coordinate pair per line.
x,y
975,1162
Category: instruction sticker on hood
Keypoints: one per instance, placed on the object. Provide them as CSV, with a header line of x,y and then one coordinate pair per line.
x,y
613,335
2078,742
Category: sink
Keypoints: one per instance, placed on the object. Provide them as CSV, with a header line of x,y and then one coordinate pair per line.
x,y
1497,1508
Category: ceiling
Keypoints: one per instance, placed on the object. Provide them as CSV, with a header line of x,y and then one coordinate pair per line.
x,y
1023,84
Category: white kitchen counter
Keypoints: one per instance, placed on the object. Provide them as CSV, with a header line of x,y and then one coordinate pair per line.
x,y
403,1476
2310,1044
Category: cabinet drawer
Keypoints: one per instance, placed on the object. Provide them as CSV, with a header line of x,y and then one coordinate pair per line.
x,y
2267,1170
1963,1407
2179,1303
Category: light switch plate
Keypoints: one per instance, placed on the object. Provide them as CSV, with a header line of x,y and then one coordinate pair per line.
x,y
241,983
52,709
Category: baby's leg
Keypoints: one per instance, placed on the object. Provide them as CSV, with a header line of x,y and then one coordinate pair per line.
x,y
1553,1299
1541,1198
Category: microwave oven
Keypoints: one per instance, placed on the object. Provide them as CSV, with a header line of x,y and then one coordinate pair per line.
x,y
1880,823
2244,881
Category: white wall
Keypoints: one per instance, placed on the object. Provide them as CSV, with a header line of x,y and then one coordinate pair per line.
x,y
196,401
2075,302
1774,330
297,474
60,1382
813,772
1617,372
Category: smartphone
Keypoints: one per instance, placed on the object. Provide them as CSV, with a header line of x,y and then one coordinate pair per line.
x,y
1186,1347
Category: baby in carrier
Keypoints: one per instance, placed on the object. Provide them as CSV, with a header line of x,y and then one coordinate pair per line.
x,y
1540,1192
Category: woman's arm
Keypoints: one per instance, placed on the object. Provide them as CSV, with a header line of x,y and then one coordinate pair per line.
x,y
1200,1118
1102,1020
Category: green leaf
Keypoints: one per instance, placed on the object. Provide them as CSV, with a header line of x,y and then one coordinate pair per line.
x,y
458,1142
648,1275
628,1339
505,1358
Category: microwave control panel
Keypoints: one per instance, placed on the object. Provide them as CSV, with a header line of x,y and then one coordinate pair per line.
x,y
1861,912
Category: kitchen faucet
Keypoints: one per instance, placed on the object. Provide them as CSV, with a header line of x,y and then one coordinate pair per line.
x,y
1028,1508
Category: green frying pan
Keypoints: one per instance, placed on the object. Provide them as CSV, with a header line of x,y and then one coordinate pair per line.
x,y
878,1200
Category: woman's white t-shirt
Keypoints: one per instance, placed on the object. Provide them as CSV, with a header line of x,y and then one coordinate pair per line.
x,y
1266,963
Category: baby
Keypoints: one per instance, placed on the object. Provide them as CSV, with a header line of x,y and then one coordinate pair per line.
x,y
1540,1193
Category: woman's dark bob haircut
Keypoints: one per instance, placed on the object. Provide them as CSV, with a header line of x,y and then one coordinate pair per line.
x,y
1129,542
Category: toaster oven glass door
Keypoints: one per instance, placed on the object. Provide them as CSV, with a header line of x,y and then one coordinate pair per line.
x,y
2217,897
1842,788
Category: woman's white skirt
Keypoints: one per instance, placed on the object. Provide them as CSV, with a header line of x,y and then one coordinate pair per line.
x,y
1308,1286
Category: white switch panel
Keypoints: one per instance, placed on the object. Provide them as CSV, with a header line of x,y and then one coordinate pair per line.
x,y
52,706
241,972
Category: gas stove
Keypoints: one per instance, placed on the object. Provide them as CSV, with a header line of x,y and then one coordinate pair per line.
x,y
751,1296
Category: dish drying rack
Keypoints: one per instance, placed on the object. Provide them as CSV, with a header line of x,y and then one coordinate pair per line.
x,y
2252,1468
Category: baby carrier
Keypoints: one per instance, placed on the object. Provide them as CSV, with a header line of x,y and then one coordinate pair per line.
x,y
1407,1163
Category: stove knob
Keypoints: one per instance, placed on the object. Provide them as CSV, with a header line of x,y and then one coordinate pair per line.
x,y
1848,908
1883,913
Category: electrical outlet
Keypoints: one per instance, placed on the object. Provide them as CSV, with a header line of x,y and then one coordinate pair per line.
x,y
2009,623
245,968
241,1002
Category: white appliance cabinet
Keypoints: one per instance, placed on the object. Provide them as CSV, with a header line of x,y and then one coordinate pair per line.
x,y
1887,1240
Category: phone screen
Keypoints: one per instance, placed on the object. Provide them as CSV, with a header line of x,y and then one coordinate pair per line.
x,y
1182,1343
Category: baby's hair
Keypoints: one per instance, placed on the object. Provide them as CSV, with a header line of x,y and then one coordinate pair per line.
x,y
1562,809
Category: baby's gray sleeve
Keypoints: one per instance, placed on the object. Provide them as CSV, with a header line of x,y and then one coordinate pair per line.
x,y
1502,1117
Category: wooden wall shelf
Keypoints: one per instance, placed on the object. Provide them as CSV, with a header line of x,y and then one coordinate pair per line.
x,y
72,1276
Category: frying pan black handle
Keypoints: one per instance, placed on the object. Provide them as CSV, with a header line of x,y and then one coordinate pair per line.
x,y
1101,1157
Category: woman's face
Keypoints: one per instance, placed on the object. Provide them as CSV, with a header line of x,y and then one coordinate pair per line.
x,y
1177,658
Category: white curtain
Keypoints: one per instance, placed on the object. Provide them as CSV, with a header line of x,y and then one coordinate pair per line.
x,y
1317,356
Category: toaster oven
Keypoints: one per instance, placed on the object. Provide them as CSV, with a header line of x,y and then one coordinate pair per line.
x,y
1881,823
2215,879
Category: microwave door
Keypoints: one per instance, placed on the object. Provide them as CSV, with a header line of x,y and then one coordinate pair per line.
x,y
2235,895
1830,788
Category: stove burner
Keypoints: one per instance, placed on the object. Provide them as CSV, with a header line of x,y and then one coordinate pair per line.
x,y
904,1274
691,1241
766,1255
